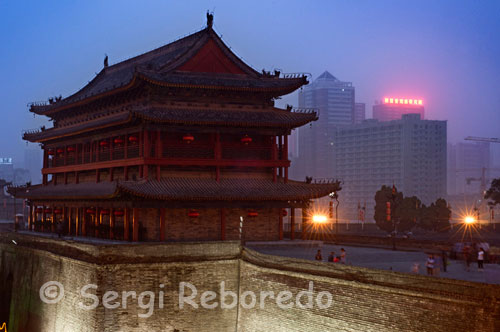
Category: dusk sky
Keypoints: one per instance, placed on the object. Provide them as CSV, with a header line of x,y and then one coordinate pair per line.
x,y
445,52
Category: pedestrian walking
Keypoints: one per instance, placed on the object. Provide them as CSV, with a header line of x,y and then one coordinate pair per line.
x,y
480,259
318,256
444,260
430,265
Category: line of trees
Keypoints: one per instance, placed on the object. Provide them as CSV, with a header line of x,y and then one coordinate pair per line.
x,y
409,212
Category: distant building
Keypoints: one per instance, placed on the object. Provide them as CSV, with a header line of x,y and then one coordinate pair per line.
x,y
33,163
466,161
6,169
335,101
391,108
411,153
359,113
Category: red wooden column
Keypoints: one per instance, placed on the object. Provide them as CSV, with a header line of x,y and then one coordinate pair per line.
x,y
280,223
162,224
45,165
135,224
217,156
52,221
222,224
84,222
275,157
44,218
111,224
292,223
280,155
147,153
97,215
126,225
159,153
77,221
285,156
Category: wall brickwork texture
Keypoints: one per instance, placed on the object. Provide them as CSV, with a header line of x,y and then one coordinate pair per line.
x,y
362,299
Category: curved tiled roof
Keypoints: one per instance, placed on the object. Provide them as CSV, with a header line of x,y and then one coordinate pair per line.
x,y
159,66
223,117
183,189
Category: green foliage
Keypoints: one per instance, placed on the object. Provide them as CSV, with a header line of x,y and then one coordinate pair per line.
x,y
408,212
493,194
436,217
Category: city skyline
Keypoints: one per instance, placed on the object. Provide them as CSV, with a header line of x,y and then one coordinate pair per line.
x,y
433,50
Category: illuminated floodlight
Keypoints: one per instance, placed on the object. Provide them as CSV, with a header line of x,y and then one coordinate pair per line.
x,y
386,100
469,220
319,218
391,100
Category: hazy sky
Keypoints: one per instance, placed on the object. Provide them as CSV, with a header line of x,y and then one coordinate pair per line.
x,y
445,52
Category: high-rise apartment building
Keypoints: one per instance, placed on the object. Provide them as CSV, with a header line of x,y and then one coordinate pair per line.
x,y
390,108
335,101
410,153
359,113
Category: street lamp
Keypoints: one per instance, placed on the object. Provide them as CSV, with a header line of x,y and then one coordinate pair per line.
x,y
335,196
319,218
469,220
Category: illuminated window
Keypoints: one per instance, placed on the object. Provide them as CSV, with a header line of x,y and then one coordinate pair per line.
x,y
406,101
386,100
411,101
391,100
420,102
397,101
401,101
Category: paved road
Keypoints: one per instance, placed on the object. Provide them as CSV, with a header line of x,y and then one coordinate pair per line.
x,y
386,259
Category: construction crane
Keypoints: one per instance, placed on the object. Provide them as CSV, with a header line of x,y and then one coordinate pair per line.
x,y
482,139
482,179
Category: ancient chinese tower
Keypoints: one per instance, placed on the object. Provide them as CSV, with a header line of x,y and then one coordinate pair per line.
x,y
175,144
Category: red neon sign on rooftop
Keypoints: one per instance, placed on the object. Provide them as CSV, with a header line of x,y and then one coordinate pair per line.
x,y
403,101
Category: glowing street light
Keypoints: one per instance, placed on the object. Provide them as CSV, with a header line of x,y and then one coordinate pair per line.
x,y
319,218
469,220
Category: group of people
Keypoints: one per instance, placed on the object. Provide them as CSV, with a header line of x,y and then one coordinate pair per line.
x,y
332,258
469,253
432,262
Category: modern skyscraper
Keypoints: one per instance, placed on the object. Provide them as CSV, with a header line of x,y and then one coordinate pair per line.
x,y
391,108
335,101
359,113
410,153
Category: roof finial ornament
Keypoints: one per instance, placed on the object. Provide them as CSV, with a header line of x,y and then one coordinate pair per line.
x,y
210,19
105,60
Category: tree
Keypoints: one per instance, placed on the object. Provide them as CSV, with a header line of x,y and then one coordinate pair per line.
x,y
493,194
436,217
383,196
408,213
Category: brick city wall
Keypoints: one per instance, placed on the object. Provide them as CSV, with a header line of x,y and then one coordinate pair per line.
x,y
362,299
